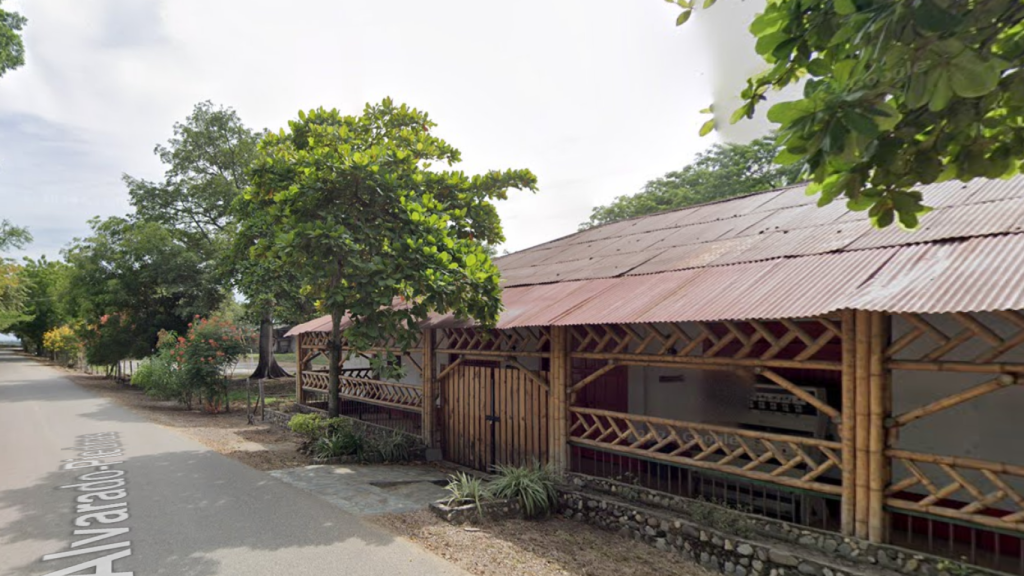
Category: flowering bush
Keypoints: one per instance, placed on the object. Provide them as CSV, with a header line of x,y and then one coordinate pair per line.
x,y
210,346
62,343
193,363
111,339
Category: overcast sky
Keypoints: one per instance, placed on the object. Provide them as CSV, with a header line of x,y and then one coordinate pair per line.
x,y
595,97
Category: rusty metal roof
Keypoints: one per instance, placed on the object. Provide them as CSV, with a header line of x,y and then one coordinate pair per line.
x,y
773,254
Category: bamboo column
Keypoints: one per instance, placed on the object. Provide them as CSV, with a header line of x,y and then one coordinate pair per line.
x,y
299,399
847,425
862,424
429,388
558,413
880,402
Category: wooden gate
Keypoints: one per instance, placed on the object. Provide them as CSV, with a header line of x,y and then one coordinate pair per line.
x,y
493,416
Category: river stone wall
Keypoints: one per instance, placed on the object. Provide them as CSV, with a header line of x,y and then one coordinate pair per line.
x,y
491,510
736,543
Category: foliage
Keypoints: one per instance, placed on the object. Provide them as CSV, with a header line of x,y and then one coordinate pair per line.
x,y
12,236
62,342
342,442
112,338
533,486
206,170
354,208
464,489
140,273
13,292
206,162
206,351
389,447
957,568
195,363
896,94
309,425
158,377
723,171
720,516
13,289
12,49
43,283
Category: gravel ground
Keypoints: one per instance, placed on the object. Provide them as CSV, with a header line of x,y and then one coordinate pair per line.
x,y
553,547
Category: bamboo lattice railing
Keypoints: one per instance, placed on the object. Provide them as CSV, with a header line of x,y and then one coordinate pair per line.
x,y
370,391
791,461
928,346
509,342
980,492
959,488
782,343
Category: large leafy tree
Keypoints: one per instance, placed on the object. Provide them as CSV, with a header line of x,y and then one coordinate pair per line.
x,y
723,171
896,94
45,281
141,279
357,209
12,286
206,169
12,50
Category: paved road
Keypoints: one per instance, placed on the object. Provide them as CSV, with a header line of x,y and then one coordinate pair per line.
x,y
190,511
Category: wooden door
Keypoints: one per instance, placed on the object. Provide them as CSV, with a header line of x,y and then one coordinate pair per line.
x,y
493,416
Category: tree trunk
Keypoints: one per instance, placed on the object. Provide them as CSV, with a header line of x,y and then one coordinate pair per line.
x,y
334,355
267,367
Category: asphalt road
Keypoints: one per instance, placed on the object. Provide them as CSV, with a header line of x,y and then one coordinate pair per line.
x,y
187,510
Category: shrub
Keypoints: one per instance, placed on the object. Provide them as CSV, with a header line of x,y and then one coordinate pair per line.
x,y
63,343
341,443
719,515
158,378
309,425
533,486
464,489
392,447
211,345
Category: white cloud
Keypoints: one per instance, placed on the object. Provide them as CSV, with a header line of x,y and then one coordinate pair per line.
x,y
595,97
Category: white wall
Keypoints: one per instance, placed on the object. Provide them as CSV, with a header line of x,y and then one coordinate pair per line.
x,y
708,396
989,427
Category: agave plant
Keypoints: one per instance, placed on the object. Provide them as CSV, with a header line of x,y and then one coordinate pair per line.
x,y
533,486
464,489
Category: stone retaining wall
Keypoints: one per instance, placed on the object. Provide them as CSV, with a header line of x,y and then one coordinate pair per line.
x,y
734,542
491,510
279,418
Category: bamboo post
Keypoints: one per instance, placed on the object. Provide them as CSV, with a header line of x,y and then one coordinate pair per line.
x,y
299,355
861,424
558,413
847,423
428,371
879,407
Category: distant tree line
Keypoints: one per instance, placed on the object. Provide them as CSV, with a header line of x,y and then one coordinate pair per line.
x,y
723,171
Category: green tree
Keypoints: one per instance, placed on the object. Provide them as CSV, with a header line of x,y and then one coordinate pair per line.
x,y
12,50
207,161
12,236
44,282
142,279
722,171
356,208
896,94
12,286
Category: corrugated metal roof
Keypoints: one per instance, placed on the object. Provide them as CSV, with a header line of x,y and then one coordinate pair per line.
x,y
775,224
974,275
772,255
